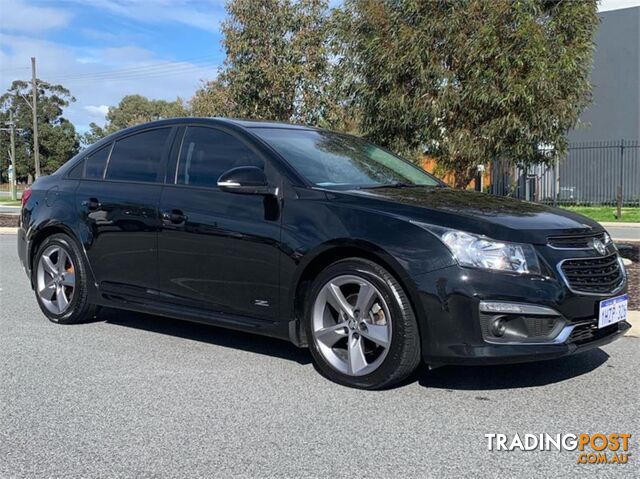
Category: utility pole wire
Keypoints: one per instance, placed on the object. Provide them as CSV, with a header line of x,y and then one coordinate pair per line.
x,y
137,75
34,91
203,60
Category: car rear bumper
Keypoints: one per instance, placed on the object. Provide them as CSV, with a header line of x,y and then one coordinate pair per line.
x,y
454,327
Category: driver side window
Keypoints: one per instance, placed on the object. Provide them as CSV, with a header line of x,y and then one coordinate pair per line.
x,y
206,153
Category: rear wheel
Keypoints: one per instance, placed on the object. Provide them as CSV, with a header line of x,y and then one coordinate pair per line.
x,y
60,279
362,328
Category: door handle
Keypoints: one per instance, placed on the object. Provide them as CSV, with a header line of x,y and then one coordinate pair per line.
x,y
174,217
91,204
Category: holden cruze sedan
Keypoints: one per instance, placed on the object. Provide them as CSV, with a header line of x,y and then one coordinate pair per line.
x,y
320,238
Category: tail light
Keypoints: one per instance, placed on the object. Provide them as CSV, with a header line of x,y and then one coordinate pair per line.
x,y
25,196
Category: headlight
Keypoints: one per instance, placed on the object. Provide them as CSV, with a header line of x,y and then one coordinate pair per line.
x,y
477,251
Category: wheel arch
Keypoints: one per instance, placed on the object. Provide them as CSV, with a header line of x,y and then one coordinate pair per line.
x,y
328,254
47,230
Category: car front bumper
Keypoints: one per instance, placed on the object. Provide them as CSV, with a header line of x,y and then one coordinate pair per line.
x,y
454,331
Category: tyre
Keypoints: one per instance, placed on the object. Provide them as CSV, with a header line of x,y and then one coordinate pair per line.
x,y
361,327
61,282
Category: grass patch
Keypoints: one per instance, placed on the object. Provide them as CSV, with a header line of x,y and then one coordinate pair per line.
x,y
606,213
7,201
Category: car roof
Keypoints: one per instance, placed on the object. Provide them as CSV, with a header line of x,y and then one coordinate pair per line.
x,y
242,122
237,122
264,124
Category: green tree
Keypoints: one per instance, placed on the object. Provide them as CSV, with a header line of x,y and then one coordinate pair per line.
x,y
468,80
134,110
212,99
58,141
277,63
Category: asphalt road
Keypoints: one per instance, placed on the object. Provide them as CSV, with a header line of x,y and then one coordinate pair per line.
x,y
132,395
9,210
622,232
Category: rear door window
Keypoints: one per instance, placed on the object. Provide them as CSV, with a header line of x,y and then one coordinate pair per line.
x,y
139,157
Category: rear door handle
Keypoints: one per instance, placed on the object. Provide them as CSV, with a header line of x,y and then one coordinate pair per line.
x,y
174,217
91,204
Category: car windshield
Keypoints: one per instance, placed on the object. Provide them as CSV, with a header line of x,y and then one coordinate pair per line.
x,y
334,160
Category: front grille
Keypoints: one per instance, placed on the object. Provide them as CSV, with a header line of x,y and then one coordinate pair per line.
x,y
574,242
593,275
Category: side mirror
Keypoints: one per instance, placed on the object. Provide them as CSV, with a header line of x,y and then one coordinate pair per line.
x,y
248,180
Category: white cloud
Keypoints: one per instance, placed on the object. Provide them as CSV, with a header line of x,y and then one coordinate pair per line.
x,y
111,74
97,111
19,17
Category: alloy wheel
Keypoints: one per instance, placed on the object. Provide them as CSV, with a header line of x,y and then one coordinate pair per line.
x,y
55,280
351,325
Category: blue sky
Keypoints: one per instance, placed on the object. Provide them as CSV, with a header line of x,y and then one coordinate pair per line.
x,y
104,49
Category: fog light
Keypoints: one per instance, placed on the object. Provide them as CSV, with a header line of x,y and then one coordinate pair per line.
x,y
499,326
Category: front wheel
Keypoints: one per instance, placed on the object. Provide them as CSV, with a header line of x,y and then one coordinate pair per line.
x,y
362,329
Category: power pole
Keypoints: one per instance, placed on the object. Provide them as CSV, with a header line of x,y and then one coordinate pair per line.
x,y
12,154
36,148
12,176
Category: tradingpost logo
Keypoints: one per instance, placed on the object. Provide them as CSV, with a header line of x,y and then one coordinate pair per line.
x,y
595,448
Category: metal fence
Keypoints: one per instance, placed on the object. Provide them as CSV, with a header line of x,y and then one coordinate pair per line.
x,y
593,173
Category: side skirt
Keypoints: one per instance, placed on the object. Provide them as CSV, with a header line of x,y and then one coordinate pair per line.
x,y
152,302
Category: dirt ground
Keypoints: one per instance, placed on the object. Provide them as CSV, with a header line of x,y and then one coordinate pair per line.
x,y
8,220
632,251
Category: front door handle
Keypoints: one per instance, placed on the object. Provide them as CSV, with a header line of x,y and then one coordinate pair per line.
x,y
173,217
91,204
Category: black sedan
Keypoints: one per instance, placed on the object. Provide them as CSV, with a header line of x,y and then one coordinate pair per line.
x,y
320,238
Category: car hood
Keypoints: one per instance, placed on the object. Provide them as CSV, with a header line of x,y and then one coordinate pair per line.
x,y
498,217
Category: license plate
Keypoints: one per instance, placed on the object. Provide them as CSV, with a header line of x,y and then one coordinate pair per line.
x,y
613,310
